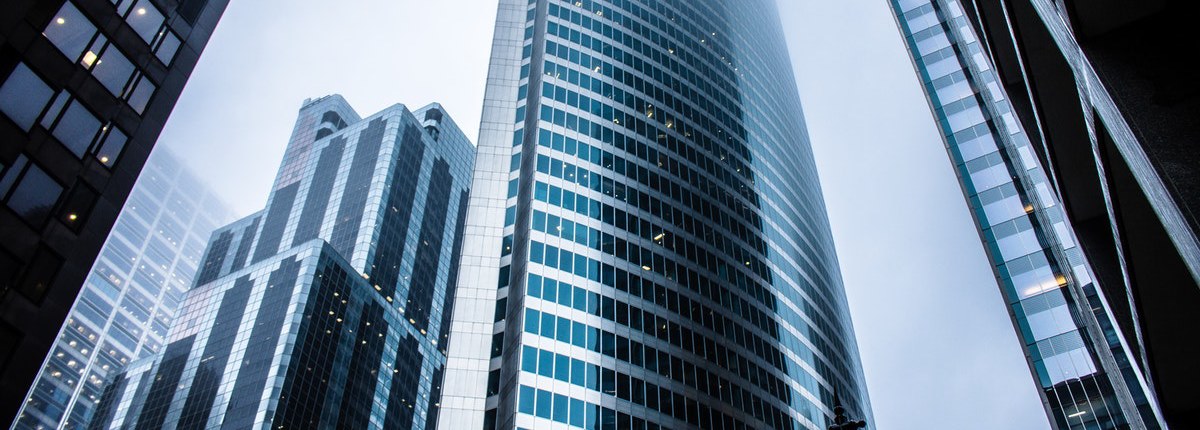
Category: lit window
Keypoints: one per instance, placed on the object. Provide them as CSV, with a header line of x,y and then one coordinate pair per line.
x,y
70,31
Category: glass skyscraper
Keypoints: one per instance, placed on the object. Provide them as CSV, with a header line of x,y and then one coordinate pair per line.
x,y
1088,374
130,296
328,308
646,243
85,88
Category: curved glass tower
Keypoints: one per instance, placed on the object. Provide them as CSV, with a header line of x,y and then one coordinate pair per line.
x,y
646,242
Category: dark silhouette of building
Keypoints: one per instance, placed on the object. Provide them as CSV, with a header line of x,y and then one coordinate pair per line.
x,y
85,88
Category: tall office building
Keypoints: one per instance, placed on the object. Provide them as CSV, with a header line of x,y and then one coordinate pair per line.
x,y
130,297
647,224
327,309
85,88
1073,309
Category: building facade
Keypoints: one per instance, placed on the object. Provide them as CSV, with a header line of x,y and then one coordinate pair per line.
x,y
1107,97
1089,370
129,299
326,309
85,88
646,241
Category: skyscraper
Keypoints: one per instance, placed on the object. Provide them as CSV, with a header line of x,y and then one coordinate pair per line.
x,y
85,88
1074,313
130,296
647,224
327,309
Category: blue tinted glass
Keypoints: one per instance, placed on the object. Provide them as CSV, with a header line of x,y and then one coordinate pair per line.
x,y
525,400
544,403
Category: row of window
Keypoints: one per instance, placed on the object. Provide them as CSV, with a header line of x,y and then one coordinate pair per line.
x,y
656,326
651,261
602,158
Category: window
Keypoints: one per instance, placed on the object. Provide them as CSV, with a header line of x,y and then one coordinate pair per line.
x,y
23,95
39,274
77,206
113,70
33,195
110,147
77,128
70,31
140,96
145,20
167,48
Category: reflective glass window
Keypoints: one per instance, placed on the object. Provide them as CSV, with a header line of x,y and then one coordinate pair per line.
x,y
145,20
70,31
77,128
113,70
23,95
140,96
167,48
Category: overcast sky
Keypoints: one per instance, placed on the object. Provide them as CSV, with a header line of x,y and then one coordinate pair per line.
x,y
938,348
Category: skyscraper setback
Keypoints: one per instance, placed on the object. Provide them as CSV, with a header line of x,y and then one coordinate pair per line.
x,y
85,88
327,309
647,224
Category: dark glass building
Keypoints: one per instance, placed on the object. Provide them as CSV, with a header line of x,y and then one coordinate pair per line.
x,y
131,295
85,88
1090,108
326,309
646,241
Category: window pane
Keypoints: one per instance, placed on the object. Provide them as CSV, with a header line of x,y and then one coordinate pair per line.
x,y
141,95
113,144
145,20
70,31
23,96
166,51
77,128
8,174
113,70
34,196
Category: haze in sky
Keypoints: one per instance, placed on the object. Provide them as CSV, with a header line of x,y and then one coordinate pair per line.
x,y
937,345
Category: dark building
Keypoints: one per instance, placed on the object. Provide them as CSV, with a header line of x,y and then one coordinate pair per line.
x,y
327,309
1092,110
85,88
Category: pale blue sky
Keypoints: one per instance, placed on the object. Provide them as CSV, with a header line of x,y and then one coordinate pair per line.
x,y
938,348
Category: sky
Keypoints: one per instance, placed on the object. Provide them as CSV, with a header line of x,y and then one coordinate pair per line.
x,y
938,348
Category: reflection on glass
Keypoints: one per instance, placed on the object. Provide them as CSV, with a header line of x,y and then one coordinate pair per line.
x,y
70,31
77,128
113,70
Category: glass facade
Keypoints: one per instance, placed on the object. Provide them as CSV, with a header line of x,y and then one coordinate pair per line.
x,y
1087,374
648,226
85,88
326,309
130,296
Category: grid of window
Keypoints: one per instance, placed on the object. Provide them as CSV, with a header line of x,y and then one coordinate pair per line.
x,y
655,183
